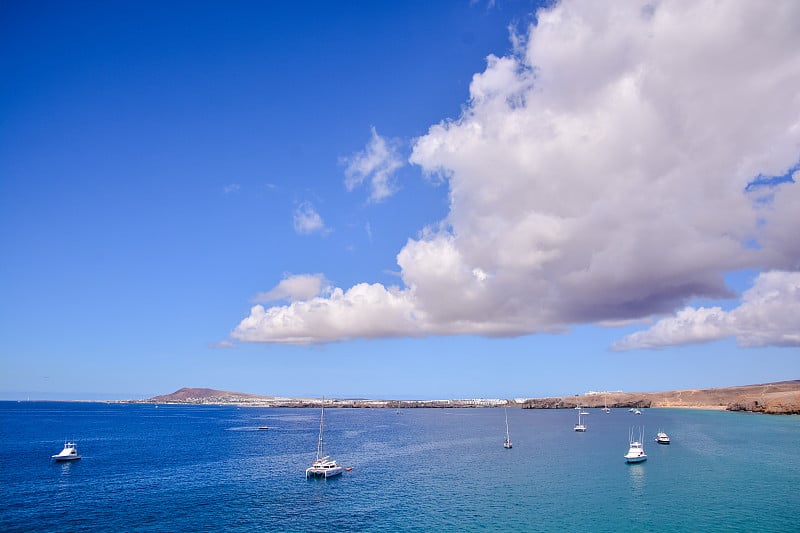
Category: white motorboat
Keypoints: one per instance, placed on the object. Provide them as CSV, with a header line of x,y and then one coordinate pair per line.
x,y
636,448
580,426
323,465
637,412
507,443
69,453
662,438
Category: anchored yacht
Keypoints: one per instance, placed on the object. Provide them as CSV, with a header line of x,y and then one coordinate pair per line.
x,y
69,453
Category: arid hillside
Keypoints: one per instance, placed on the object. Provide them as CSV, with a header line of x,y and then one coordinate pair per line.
x,y
194,395
774,398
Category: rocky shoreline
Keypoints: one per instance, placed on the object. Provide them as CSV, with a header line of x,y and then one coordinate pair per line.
x,y
770,398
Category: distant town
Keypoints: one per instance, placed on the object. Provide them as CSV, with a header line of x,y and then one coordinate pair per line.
x,y
771,398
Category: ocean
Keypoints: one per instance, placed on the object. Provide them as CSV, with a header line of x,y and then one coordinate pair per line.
x,y
209,468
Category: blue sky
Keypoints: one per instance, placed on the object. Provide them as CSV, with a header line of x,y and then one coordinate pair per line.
x,y
405,200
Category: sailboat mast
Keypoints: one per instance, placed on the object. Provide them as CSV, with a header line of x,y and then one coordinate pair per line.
x,y
320,449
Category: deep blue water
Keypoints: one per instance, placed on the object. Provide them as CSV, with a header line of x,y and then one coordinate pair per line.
x,y
203,468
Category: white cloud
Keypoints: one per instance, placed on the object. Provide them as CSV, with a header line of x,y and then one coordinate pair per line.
x,y
597,174
376,164
363,311
294,288
768,315
308,221
223,344
231,188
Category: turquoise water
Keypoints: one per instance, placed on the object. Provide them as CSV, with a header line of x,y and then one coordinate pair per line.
x,y
198,468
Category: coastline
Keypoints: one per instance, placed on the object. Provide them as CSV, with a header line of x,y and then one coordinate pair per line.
x,y
770,398
453,404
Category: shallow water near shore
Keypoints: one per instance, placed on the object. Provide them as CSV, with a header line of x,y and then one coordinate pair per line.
x,y
200,468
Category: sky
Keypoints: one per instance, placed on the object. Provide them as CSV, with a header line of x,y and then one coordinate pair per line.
x,y
412,200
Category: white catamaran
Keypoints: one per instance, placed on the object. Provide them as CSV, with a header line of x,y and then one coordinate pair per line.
x,y
323,465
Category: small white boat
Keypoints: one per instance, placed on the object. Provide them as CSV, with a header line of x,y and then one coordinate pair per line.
x,y
507,443
580,426
637,412
636,448
631,410
69,453
662,438
605,406
323,465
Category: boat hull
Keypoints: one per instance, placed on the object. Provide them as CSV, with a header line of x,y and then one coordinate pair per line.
x,y
324,472
60,458
637,459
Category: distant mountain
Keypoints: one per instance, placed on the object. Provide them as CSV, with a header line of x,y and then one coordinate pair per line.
x,y
193,395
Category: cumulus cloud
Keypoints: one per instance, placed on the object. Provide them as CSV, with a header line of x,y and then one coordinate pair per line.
x,y
598,173
376,164
365,311
294,288
768,315
307,220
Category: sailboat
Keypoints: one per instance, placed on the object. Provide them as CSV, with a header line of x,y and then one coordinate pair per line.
x,y
323,465
580,425
507,443
605,405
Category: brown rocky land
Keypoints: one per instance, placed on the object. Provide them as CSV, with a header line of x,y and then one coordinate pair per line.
x,y
772,398
198,395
